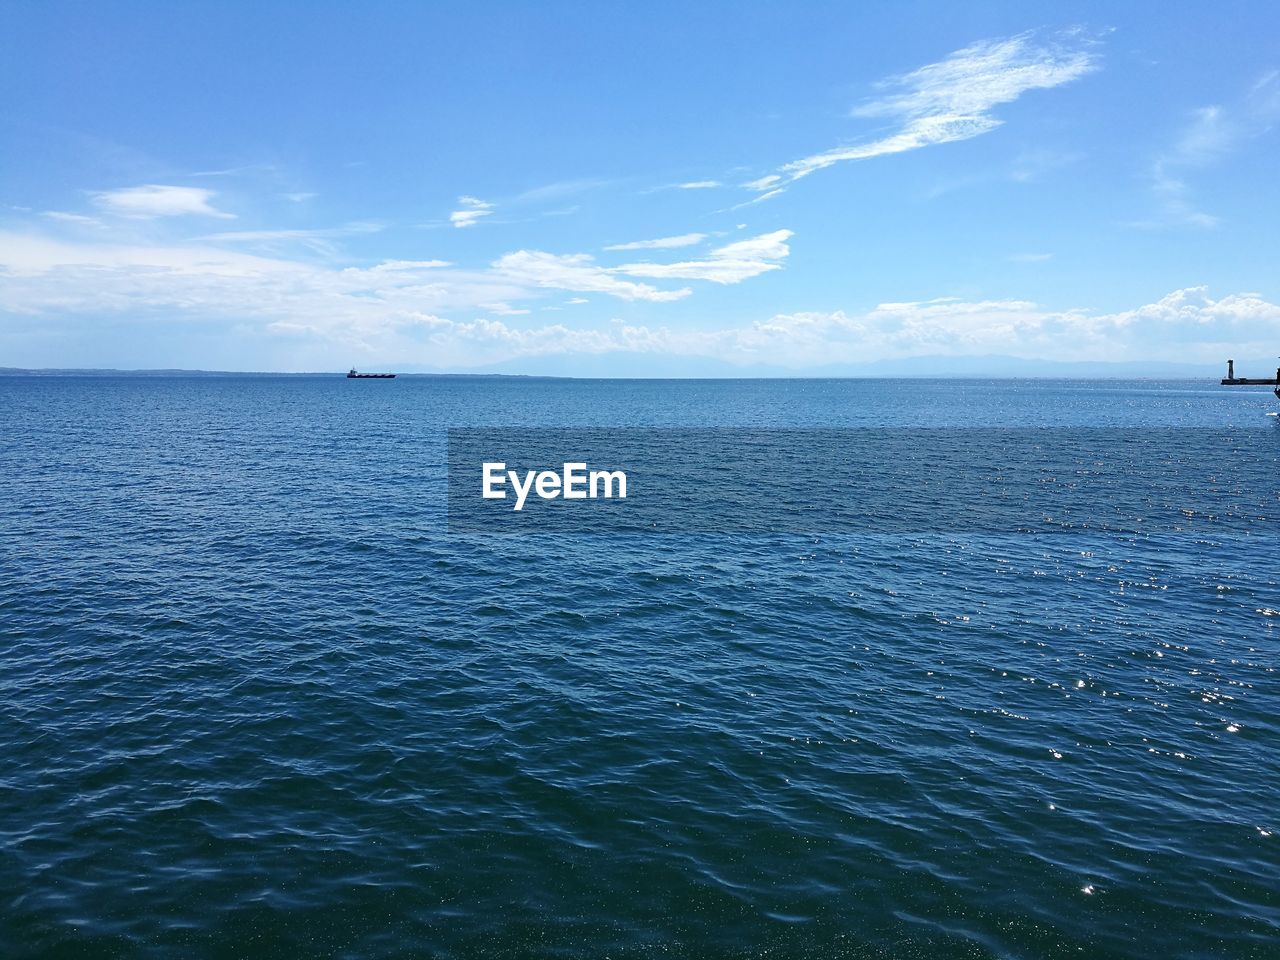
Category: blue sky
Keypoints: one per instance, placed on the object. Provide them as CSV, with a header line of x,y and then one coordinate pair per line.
x,y
717,187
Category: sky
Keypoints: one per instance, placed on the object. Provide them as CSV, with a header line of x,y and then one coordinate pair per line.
x,y
705,188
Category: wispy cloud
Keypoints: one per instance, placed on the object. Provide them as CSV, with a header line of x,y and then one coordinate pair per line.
x,y
120,265
323,241
950,100
1034,164
559,190
662,243
1206,137
78,219
1210,134
767,195
577,272
699,185
157,200
254,236
732,263
247,168
401,266
1174,197
470,211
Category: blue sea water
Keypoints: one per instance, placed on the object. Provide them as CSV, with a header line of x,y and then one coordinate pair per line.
x,y
258,701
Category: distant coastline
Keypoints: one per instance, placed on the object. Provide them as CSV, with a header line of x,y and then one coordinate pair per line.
x,y
633,367
179,372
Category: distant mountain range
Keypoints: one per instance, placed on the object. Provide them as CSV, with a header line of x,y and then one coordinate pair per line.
x,y
654,365
644,365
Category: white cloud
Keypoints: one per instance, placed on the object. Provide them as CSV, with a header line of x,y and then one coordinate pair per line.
x,y
969,82
470,211
43,273
663,243
55,278
950,100
393,266
156,200
732,263
577,272
1185,326
1194,326
403,309
35,255
504,310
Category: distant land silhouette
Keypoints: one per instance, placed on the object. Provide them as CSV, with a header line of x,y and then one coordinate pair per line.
x,y
650,366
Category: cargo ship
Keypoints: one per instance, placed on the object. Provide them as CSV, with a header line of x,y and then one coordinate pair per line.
x,y
353,375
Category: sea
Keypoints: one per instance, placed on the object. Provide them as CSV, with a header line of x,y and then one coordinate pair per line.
x,y
259,697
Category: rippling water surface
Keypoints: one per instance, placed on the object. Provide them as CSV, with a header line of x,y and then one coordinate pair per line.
x,y
257,702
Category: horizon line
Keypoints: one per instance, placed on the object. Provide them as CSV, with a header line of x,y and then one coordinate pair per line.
x,y
19,372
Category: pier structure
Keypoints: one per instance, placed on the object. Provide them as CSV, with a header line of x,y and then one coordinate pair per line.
x,y
1231,380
